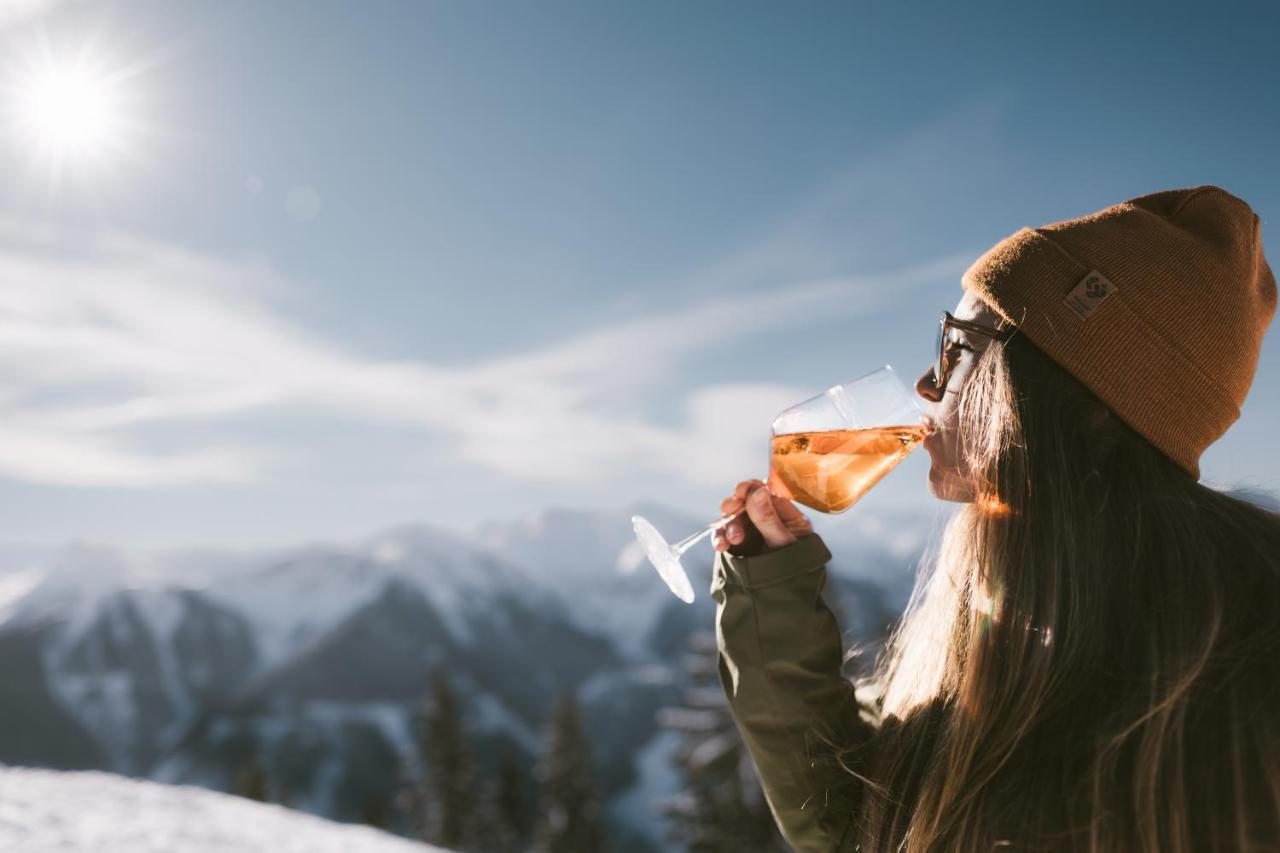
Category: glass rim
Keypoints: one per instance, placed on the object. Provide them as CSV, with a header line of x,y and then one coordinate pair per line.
x,y
907,394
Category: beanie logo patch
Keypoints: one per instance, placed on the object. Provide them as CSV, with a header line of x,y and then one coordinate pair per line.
x,y
1086,296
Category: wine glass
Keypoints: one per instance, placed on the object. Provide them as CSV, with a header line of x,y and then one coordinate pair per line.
x,y
825,453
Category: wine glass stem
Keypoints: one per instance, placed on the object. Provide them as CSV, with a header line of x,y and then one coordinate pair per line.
x,y
685,543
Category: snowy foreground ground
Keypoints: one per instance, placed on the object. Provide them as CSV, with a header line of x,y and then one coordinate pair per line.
x,y
42,811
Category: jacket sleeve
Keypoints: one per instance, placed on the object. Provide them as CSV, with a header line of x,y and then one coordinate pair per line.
x,y
780,657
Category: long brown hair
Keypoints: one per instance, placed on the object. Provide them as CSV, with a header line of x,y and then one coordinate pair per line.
x,y
1091,659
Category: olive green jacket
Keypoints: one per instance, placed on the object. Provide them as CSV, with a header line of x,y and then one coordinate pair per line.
x,y
780,658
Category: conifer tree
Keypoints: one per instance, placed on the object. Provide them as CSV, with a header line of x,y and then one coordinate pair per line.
x,y
569,819
251,781
722,808
411,796
501,822
375,811
512,804
448,792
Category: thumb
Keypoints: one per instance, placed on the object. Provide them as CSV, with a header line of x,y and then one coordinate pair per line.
x,y
764,515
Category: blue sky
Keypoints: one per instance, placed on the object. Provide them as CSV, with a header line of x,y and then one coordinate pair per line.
x,y
351,265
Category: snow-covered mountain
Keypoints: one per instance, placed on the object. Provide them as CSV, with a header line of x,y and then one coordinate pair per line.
x,y
48,811
591,563
186,667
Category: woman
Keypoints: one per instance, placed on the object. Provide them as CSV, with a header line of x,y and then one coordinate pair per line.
x,y
1092,660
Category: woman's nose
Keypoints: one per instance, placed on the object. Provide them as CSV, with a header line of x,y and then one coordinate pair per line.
x,y
926,387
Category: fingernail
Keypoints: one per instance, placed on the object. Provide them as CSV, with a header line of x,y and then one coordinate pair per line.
x,y
759,495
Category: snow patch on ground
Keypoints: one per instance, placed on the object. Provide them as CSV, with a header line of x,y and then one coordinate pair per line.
x,y
42,811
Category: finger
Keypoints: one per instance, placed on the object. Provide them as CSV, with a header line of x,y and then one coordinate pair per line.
x,y
734,503
763,513
744,487
788,511
722,538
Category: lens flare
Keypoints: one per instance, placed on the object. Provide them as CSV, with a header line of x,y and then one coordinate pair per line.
x,y
991,505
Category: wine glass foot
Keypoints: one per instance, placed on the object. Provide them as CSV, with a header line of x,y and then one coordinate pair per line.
x,y
664,558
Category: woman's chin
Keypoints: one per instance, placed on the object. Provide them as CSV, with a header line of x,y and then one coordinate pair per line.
x,y
944,486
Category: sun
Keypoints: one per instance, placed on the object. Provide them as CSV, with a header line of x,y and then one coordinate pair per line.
x,y
68,108
69,112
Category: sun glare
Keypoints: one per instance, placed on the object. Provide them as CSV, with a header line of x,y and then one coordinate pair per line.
x,y
68,110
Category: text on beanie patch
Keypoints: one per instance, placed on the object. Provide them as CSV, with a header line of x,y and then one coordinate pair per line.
x,y
1086,296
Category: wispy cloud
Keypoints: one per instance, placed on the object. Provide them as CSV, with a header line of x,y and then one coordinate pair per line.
x,y
88,460
105,336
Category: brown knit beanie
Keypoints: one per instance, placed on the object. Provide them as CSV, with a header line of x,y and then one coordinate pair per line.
x,y
1157,304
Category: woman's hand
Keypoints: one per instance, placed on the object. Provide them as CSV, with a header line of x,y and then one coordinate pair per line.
x,y
770,522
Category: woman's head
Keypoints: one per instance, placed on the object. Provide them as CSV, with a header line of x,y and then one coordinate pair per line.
x,y
1158,305
957,445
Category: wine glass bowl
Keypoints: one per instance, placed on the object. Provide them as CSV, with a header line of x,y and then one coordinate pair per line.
x,y
829,450
825,453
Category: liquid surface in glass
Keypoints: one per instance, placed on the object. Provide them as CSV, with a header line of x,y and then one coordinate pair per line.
x,y
829,470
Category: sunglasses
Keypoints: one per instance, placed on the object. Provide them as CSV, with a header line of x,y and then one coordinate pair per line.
x,y
949,344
